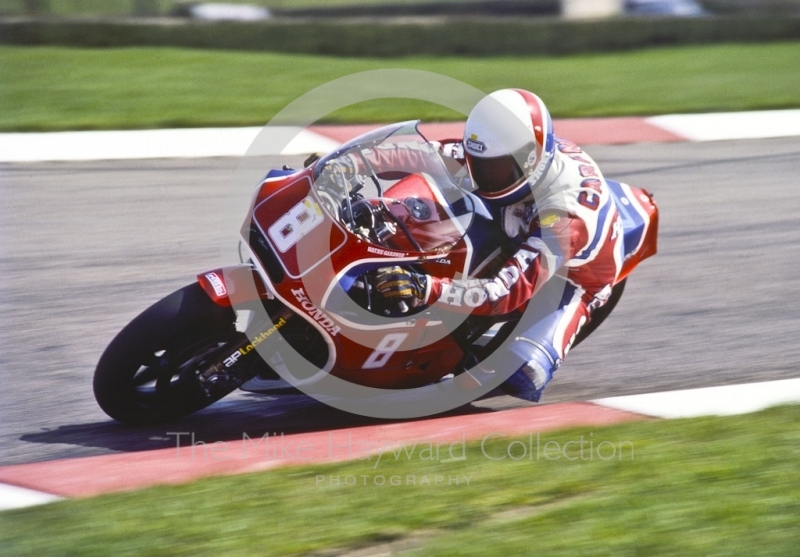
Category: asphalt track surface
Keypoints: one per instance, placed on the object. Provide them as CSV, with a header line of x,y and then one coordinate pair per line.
x,y
87,246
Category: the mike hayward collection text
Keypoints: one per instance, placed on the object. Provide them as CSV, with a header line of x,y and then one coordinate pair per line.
x,y
494,446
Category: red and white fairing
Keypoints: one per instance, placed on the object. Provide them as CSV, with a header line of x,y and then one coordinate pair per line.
x,y
318,253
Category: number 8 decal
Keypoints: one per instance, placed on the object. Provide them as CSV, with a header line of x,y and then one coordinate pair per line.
x,y
385,349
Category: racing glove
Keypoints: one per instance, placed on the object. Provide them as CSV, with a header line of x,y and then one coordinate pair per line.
x,y
399,285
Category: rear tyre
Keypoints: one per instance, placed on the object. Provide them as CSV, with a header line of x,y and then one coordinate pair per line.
x,y
148,372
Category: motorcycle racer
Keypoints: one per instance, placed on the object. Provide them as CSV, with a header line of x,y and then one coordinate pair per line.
x,y
395,262
555,209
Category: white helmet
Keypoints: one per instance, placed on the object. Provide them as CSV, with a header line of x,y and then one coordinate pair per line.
x,y
508,144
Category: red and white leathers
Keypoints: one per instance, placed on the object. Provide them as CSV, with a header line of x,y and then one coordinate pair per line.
x,y
569,253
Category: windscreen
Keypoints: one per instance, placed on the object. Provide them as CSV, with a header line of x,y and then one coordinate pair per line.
x,y
391,188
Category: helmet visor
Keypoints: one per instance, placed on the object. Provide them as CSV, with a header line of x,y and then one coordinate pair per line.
x,y
495,174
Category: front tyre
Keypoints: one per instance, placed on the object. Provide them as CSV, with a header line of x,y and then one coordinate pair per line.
x,y
148,374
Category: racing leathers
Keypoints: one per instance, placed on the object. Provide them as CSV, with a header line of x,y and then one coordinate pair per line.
x,y
569,254
568,244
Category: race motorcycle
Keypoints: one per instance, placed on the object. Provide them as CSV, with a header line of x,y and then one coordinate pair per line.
x,y
302,305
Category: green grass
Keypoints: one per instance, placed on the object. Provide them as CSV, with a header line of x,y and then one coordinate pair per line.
x,y
706,487
52,88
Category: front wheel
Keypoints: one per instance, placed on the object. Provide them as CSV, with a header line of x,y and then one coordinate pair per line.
x,y
148,373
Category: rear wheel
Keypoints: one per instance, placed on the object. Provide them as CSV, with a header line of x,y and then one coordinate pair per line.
x,y
148,373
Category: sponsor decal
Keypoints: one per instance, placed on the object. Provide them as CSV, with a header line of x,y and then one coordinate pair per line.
x,y
455,295
217,284
315,313
593,184
385,252
474,293
255,341
547,220
474,145
531,162
568,147
588,170
544,163
589,200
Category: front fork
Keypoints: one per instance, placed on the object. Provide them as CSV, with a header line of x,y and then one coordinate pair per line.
x,y
236,363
